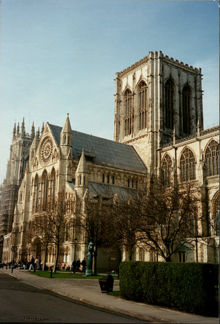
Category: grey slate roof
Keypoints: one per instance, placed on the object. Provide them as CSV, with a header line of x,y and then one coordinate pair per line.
x,y
107,191
102,151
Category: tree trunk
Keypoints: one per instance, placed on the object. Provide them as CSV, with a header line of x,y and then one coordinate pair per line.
x,y
168,259
57,256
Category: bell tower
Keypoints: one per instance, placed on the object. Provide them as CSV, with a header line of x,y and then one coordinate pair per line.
x,y
153,97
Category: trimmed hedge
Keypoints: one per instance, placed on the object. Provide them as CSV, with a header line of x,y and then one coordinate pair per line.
x,y
190,287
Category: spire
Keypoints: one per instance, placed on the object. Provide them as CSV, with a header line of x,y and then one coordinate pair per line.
x,y
67,127
32,131
22,127
18,129
82,173
82,165
14,130
38,133
42,128
66,134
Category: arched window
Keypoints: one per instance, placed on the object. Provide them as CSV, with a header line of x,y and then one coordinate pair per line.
x,y
169,106
53,186
186,95
36,193
128,112
142,105
44,190
187,166
216,214
166,169
212,159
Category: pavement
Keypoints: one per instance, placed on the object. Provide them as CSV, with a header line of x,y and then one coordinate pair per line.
x,y
88,292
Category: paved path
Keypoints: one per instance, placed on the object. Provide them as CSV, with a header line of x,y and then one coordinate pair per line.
x,y
88,291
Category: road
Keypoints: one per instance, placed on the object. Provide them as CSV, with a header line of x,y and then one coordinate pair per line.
x,y
23,303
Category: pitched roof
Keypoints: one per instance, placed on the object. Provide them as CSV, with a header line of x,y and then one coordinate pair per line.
x,y
102,151
107,191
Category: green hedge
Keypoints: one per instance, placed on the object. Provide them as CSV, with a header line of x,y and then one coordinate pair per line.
x,y
190,287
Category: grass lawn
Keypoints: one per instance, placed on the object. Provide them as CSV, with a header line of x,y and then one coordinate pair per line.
x,y
114,293
65,274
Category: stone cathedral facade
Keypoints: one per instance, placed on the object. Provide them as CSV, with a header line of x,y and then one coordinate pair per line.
x,y
158,129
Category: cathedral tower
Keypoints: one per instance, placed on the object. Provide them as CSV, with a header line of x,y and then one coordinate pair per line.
x,y
153,97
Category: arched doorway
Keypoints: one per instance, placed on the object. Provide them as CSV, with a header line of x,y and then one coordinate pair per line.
x,y
36,248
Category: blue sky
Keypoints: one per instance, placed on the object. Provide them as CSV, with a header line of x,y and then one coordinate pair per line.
x,y
59,56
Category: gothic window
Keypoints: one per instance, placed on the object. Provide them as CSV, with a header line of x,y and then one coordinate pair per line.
x,y
141,254
166,170
128,182
36,193
187,166
53,186
142,105
212,159
186,95
128,112
216,214
44,190
169,104
182,256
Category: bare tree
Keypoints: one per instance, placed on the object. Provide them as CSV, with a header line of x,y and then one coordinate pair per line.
x,y
50,225
40,227
96,224
125,221
161,218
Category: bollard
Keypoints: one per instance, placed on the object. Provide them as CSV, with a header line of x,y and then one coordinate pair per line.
x,y
51,272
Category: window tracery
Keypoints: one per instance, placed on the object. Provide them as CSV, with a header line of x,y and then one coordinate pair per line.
x,y
187,165
142,103
44,191
212,159
186,95
128,112
216,213
166,169
169,104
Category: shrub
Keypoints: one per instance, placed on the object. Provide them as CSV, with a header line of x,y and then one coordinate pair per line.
x,y
190,287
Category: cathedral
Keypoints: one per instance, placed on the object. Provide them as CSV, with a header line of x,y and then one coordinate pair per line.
x,y
158,129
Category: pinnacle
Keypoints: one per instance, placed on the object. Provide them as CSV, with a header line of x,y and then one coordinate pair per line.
x,y
82,166
67,127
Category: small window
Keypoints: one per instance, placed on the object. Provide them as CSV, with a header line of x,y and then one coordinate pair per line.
x,y
113,179
182,256
103,178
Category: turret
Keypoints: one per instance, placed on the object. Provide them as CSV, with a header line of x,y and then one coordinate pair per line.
x,y
82,173
66,138
38,134
14,130
23,128
42,128
18,129
32,131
